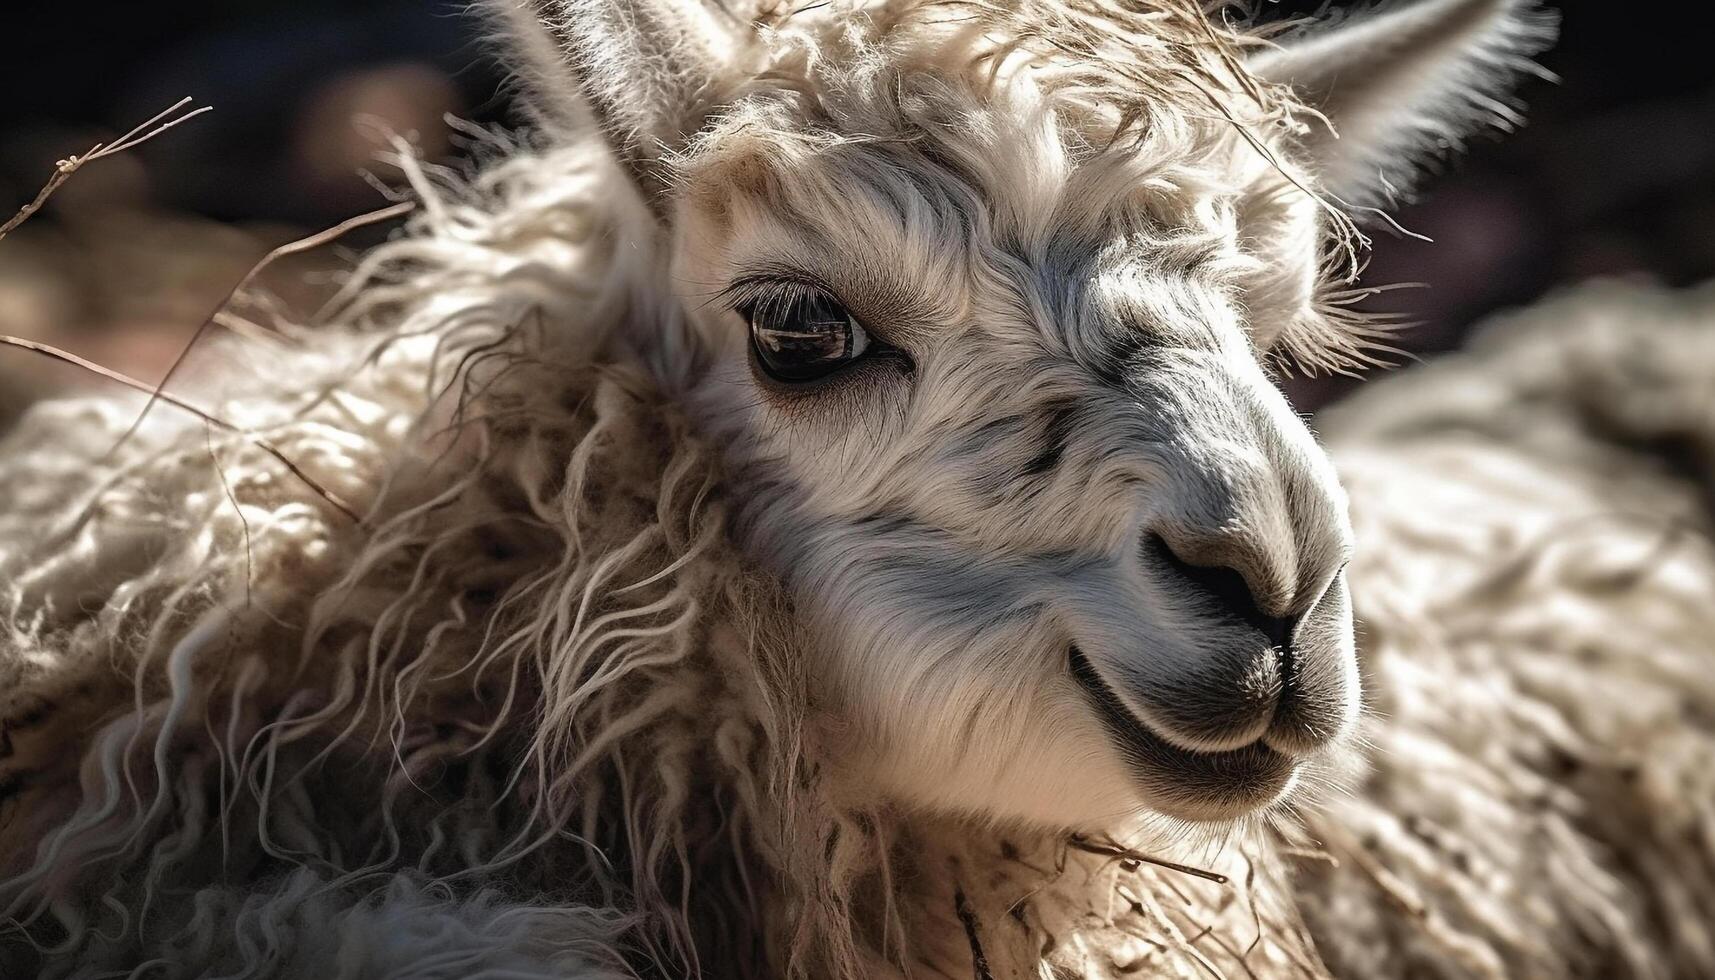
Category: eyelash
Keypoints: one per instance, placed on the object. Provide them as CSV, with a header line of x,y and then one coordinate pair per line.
x,y
748,292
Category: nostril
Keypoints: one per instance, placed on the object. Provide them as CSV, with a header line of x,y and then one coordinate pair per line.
x,y
1227,588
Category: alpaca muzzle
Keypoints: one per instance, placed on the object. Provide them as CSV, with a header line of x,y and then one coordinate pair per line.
x,y
1230,659
1229,739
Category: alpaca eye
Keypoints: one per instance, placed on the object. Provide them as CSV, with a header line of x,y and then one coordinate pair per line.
x,y
803,334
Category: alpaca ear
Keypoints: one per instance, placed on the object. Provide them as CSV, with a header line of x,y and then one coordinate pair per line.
x,y
1405,83
647,72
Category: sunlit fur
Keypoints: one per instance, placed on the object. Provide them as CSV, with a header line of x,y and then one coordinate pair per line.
x,y
535,716
1082,378
1084,225
637,662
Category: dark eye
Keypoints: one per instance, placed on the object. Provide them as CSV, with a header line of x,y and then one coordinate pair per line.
x,y
801,334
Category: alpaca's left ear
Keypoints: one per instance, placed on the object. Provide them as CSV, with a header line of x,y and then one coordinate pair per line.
x,y
1405,83
647,72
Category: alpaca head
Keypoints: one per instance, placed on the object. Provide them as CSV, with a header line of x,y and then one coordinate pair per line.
x,y
977,299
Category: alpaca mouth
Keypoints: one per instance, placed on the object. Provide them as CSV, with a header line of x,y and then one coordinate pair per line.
x,y
1180,782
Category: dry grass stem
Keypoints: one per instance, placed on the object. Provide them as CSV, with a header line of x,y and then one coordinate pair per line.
x,y
142,133
68,357
305,244
1130,858
968,920
154,126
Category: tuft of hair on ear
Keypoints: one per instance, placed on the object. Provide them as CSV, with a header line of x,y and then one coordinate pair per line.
x,y
647,73
1402,85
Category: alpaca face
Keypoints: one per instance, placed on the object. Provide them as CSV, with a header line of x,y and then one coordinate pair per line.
x,y
999,422
989,381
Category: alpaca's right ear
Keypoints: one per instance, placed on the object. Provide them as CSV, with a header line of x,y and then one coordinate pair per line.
x,y
647,72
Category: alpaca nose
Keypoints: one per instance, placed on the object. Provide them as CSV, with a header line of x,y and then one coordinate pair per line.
x,y
1271,664
1231,588
1254,525
1244,547
1263,584
1240,544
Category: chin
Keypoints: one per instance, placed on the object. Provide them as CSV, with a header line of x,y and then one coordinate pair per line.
x,y
1080,772
1193,785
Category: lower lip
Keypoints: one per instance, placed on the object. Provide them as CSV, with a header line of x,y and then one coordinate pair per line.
x,y
1202,786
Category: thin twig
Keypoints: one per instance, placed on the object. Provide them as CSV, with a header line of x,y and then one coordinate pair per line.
x,y
238,509
70,165
173,400
968,919
1127,855
316,240
1197,957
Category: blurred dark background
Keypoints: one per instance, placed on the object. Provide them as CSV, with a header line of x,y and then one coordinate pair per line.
x,y
1614,175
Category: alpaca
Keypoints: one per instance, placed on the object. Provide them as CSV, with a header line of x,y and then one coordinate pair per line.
x,y
838,522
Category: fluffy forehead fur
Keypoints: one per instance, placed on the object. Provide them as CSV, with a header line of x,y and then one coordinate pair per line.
x,y
1032,146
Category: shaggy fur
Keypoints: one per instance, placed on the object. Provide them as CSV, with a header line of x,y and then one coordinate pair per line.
x,y
630,666
536,670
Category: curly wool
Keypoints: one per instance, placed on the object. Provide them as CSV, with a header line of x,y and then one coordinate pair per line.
x,y
534,683
534,716
476,651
